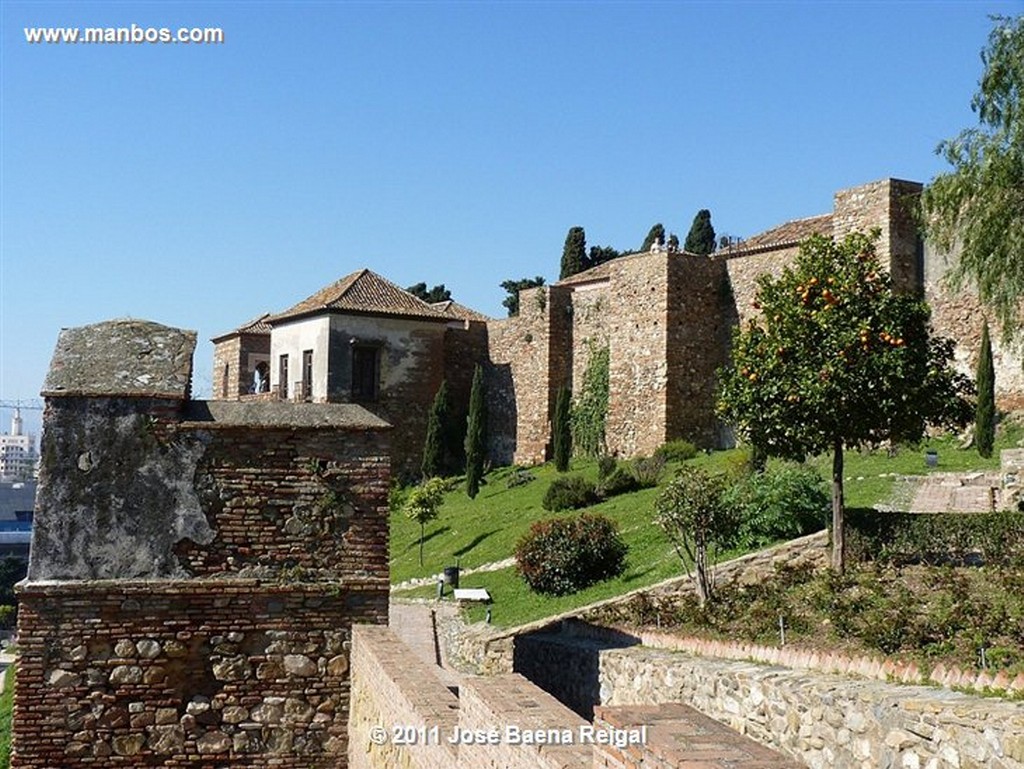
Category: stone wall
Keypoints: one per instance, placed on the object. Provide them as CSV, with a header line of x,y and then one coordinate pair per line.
x,y
529,361
411,358
960,316
888,205
697,345
744,271
184,673
465,348
824,720
196,566
638,354
590,311
234,362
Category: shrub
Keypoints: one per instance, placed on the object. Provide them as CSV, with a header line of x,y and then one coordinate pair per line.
x,y
569,493
8,616
996,539
606,466
783,502
676,451
519,477
647,471
692,512
564,555
620,481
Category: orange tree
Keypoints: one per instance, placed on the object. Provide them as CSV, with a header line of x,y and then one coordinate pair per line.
x,y
836,360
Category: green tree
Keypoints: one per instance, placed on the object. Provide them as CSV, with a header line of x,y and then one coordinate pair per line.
x,y
562,433
838,360
655,235
978,207
692,512
435,450
600,255
422,505
985,411
431,296
574,253
476,434
701,238
513,287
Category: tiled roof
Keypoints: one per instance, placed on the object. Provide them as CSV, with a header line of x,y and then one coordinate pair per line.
x,y
458,311
594,274
362,292
783,236
256,327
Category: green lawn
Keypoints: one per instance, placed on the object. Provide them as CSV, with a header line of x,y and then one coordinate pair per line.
x,y
6,706
486,529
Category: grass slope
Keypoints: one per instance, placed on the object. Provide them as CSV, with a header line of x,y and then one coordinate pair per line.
x,y
486,529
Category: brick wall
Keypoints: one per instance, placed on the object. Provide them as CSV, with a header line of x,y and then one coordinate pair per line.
x,y
390,688
187,673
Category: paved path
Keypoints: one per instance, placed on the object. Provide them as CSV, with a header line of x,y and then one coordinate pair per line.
x,y
415,625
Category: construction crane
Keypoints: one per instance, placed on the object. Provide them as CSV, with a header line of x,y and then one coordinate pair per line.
x,y
31,404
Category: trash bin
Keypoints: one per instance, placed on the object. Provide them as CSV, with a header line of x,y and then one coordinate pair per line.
x,y
931,458
451,576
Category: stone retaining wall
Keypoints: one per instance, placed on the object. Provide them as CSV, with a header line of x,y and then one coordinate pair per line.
x,y
825,720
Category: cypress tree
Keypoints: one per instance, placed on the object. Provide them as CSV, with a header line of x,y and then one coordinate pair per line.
x,y
985,412
574,253
562,437
434,448
476,434
701,238
655,235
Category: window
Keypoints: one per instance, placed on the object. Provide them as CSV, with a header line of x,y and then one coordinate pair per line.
x,y
307,375
365,373
224,381
282,377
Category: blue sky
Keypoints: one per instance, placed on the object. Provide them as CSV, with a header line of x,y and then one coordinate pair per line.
x,y
451,143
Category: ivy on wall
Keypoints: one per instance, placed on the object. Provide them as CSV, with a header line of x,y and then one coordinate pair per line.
x,y
590,407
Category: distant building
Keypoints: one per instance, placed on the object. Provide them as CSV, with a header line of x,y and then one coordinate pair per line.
x,y
17,501
19,459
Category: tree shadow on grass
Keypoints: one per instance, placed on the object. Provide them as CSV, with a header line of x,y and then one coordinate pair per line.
x,y
416,542
475,541
633,576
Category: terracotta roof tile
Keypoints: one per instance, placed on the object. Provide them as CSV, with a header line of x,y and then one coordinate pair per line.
x,y
256,327
783,236
362,292
453,309
594,274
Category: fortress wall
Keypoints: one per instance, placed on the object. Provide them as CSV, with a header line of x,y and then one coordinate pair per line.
x,y
196,566
638,341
